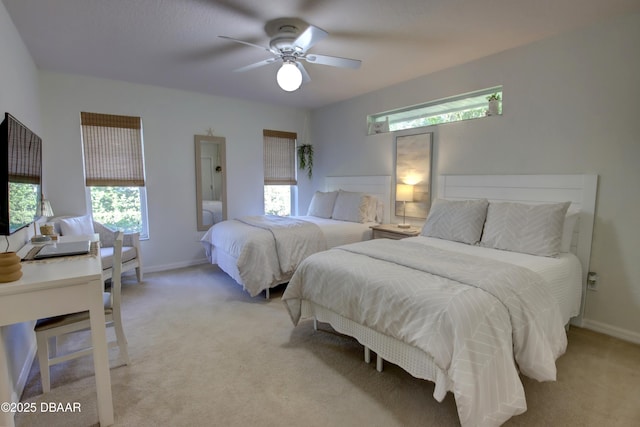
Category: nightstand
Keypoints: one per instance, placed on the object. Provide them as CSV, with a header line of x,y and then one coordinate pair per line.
x,y
392,231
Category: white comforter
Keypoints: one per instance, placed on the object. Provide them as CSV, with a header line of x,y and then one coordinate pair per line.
x,y
254,240
471,315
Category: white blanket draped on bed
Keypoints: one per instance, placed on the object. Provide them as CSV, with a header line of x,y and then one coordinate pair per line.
x,y
264,251
470,314
295,239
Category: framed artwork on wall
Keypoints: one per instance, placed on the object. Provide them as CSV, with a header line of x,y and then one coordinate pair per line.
x,y
413,174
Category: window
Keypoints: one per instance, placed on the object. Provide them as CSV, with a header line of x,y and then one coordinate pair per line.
x,y
279,171
114,171
453,109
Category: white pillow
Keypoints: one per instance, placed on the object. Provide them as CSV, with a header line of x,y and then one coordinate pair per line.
x,y
570,221
456,220
527,228
351,206
372,208
76,226
322,204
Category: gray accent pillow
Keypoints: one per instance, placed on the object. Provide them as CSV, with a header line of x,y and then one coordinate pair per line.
x,y
351,206
527,228
456,220
322,204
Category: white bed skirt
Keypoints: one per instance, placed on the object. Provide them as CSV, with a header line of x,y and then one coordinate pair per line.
x,y
413,360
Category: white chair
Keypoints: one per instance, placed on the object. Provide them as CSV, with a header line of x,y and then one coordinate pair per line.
x,y
83,225
131,253
47,330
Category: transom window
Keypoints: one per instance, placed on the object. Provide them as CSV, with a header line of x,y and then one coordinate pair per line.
x,y
467,106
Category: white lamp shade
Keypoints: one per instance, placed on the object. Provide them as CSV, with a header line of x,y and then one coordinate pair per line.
x,y
404,193
46,208
289,77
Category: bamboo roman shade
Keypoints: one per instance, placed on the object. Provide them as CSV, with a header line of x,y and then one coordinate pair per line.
x,y
279,157
24,153
112,150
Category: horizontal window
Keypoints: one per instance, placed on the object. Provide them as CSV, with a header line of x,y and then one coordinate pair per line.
x,y
472,105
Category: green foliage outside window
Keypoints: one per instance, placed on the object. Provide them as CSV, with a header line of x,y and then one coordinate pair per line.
x,y
117,207
441,118
23,202
277,200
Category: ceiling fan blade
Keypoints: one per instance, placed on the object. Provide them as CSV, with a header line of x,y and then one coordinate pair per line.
x,y
305,75
246,43
333,61
308,38
256,65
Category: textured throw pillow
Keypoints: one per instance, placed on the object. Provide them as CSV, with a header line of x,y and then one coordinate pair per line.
x,y
322,204
570,222
76,226
527,228
350,206
456,220
372,208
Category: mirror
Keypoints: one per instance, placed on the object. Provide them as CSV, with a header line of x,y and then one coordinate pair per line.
x,y
413,172
211,191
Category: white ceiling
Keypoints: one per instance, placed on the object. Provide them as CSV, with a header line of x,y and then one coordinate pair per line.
x,y
174,43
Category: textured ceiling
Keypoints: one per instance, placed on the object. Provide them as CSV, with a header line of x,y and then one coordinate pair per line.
x,y
175,44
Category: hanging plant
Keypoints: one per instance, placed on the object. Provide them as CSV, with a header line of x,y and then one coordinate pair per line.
x,y
305,158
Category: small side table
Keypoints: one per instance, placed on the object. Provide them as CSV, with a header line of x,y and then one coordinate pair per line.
x,y
392,231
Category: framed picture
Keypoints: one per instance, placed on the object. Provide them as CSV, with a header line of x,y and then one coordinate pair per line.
x,y
413,168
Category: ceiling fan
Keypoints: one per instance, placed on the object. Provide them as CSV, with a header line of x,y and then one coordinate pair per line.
x,y
289,44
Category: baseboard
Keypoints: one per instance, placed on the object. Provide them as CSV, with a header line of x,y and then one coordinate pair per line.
x,y
173,266
21,383
614,331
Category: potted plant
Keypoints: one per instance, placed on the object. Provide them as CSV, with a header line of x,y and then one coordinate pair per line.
x,y
494,104
305,158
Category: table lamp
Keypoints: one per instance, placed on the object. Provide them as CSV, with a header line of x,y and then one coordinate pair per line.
x,y
404,194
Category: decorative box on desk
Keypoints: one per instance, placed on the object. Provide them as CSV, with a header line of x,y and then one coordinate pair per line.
x,y
392,231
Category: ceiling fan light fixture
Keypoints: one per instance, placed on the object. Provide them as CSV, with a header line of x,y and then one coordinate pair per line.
x,y
289,77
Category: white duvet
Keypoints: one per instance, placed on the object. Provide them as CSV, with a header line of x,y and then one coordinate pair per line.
x,y
267,248
250,254
479,320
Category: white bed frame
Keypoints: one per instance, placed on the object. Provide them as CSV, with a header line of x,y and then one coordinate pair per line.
x,y
579,189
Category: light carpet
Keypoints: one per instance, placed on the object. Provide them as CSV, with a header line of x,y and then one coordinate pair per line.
x,y
204,353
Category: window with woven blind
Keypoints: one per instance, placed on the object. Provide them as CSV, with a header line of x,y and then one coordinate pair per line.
x,y
114,171
112,150
279,172
279,157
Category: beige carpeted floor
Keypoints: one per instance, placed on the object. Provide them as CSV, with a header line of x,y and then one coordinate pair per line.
x,y
204,353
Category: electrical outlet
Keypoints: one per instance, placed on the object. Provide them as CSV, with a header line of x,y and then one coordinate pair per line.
x,y
592,281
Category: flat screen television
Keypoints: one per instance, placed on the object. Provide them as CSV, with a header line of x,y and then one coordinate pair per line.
x,y
20,176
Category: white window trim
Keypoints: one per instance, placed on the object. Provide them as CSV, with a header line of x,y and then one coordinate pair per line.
x,y
144,233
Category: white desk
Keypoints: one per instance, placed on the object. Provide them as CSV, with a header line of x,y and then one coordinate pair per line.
x,y
53,288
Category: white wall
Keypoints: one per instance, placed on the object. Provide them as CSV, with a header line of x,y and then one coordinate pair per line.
x,y
18,96
170,119
570,106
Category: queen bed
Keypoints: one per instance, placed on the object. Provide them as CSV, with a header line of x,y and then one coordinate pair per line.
x,y
482,295
261,252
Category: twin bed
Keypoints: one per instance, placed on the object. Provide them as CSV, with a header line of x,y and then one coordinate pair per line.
x,y
484,294
261,252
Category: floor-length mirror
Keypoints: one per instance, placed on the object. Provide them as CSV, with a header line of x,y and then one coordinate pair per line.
x,y
211,192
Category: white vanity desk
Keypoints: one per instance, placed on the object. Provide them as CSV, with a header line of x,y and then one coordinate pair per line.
x,y
50,288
